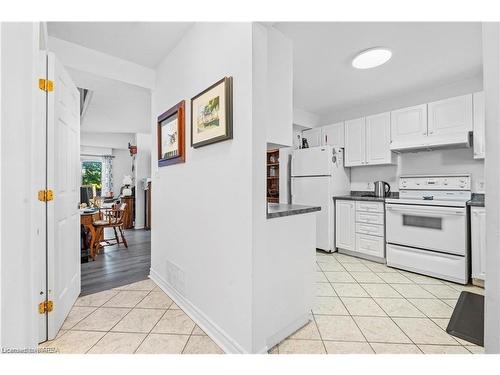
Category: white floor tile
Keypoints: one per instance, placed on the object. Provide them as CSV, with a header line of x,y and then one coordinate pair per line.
x,y
366,277
338,347
381,330
380,290
381,348
424,331
443,349
329,306
398,307
362,306
442,291
412,291
339,277
433,308
349,290
338,328
324,289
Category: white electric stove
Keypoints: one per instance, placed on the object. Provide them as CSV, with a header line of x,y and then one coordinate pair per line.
x,y
427,227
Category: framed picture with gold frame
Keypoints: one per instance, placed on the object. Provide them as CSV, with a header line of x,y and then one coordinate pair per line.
x,y
171,131
212,114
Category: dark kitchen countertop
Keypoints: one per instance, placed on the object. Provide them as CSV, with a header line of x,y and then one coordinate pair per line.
x,y
477,200
279,210
365,196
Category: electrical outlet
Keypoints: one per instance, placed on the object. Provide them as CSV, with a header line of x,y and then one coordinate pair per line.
x,y
480,186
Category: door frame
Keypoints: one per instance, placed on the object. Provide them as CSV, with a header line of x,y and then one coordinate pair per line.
x,y
38,208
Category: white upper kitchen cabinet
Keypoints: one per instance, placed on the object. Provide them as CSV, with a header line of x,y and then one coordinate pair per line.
x,y
333,135
478,242
451,115
378,139
313,136
345,224
355,142
410,123
479,125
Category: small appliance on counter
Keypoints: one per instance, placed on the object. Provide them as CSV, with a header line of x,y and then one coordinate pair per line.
x,y
381,189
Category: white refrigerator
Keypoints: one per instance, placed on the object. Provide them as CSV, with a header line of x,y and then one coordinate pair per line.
x,y
317,174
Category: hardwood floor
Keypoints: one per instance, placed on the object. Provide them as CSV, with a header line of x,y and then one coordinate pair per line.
x,y
117,265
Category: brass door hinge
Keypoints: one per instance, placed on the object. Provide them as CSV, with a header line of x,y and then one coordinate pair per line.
x,y
45,307
45,195
46,85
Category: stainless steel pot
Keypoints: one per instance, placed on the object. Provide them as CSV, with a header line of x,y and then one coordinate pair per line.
x,y
381,189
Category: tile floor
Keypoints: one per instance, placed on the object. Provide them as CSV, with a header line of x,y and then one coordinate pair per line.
x,y
360,307
135,318
366,307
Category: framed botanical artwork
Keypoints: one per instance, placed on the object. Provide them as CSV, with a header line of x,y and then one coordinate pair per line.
x,y
212,114
171,142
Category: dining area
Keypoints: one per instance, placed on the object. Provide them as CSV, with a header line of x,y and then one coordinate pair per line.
x,y
95,220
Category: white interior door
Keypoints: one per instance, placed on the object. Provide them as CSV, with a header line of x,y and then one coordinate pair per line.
x,y
63,220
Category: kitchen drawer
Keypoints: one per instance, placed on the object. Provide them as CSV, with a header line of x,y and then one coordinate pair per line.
x,y
370,245
369,217
371,229
444,266
369,206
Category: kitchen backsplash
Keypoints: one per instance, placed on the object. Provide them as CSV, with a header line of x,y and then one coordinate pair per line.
x,y
425,162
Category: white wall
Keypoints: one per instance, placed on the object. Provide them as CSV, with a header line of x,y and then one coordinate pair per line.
x,y
88,60
122,166
491,61
19,59
109,140
202,213
95,151
280,87
142,170
425,162
305,118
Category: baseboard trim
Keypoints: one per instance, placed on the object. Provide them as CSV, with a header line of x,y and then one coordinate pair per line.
x,y
220,337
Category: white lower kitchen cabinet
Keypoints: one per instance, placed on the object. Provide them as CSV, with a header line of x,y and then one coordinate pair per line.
x,y
478,242
360,229
345,224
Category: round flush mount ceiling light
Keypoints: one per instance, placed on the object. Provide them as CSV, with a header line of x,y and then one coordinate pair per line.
x,y
371,58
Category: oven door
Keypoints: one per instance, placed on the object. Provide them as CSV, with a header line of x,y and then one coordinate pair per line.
x,y
442,229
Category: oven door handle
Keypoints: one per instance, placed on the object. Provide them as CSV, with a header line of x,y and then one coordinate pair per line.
x,y
418,210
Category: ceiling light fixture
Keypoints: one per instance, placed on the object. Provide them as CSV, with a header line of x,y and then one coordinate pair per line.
x,y
371,58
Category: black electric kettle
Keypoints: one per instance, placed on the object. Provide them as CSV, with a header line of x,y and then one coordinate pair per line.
x,y
381,189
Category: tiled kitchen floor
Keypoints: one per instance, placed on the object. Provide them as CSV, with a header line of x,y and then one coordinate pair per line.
x,y
360,307
366,307
135,318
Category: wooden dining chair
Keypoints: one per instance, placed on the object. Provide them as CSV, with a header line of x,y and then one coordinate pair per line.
x,y
111,218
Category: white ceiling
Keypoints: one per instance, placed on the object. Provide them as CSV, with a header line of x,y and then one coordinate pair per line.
x,y
425,55
144,43
115,107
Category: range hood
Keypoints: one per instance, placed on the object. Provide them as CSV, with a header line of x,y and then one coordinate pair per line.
x,y
433,142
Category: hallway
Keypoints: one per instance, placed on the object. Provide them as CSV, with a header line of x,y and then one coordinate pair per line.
x,y
135,318
116,265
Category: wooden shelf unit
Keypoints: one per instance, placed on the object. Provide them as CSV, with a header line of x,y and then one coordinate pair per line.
x,y
273,170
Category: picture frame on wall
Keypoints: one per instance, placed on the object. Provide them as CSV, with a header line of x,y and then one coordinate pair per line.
x,y
212,114
171,133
